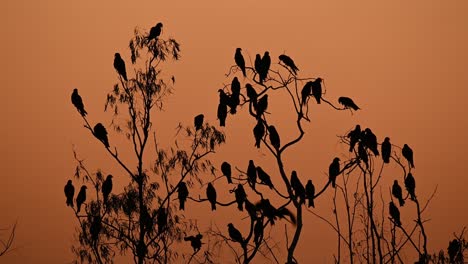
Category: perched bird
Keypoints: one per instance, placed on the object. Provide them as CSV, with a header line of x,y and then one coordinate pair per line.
x,y
258,67
454,251
95,228
410,184
362,153
251,209
258,231
264,177
234,99
107,188
235,86
386,150
268,210
240,195
78,102
262,106
297,186
252,174
354,137
155,31
235,234
119,65
100,133
395,214
259,132
222,114
317,89
195,242
239,59
398,193
266,62
334,171
223,97
211,194
81,198
182,194
69,193
161,219
198,121
370,140
274,137
305,92
310,193
408,154
348,103
252,95
226,170
289,62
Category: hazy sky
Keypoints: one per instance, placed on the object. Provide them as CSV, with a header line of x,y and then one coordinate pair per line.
x,y
404,62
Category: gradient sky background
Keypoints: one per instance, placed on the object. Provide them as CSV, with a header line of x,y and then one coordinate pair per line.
x,y
404,62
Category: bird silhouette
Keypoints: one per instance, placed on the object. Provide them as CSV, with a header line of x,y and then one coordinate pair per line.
x,y
155,31
264,177
334,171
100,133
234,99
252,174
354,137
397,192
455,252
258,231
408,154
262,106
95,228
235,234
107,188
211,194
198,121
226,170
274,137
240,195
239,59
370,140
195,241
297,186
78,102
305,92
81,198
222,114
266,62
252,95
69,193
182,194
119,65
259,132
410,184
386,150
395,214
268,210
251,209
258,67
317,89
348,103
310,193
289,62
161,219
362,153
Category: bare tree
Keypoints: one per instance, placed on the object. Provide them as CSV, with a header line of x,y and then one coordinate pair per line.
x,y
7,241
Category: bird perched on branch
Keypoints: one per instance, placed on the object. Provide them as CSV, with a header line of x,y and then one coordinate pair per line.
x,y
258,231
334,171
310,193
78,102
95,228
305,92
226,170
240,195
317,89
274,137
211,195
370,139
198,121
266,63
395,214
354,137
259,132
100,133
155,31
161,219
81,198
410,184
408,154
195,241
69,193
264,177
348,103
239,59
262,106
297,186
234,99
107,188
119,65
252,95
235,234
252,174
386,150
398,193
362,153
289,62
182,194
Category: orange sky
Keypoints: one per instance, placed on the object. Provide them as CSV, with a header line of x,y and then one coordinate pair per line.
x,y
404,63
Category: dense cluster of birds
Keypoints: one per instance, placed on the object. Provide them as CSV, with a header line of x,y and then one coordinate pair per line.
x,y
69,190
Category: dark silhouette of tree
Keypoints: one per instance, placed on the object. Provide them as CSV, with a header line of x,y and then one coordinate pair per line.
x,y
145,220
6,242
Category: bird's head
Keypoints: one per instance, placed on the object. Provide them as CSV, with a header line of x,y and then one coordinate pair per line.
x,y
75,90
230,225
405,146
387,139
84,187
395,182
319,80
117,55
336,159
266,53
69,182
159,25
238,50
109,176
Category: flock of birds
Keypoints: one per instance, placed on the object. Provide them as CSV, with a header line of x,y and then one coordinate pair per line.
x,y
263,209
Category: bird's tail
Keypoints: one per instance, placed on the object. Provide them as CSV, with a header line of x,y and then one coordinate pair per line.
x,y
402,202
